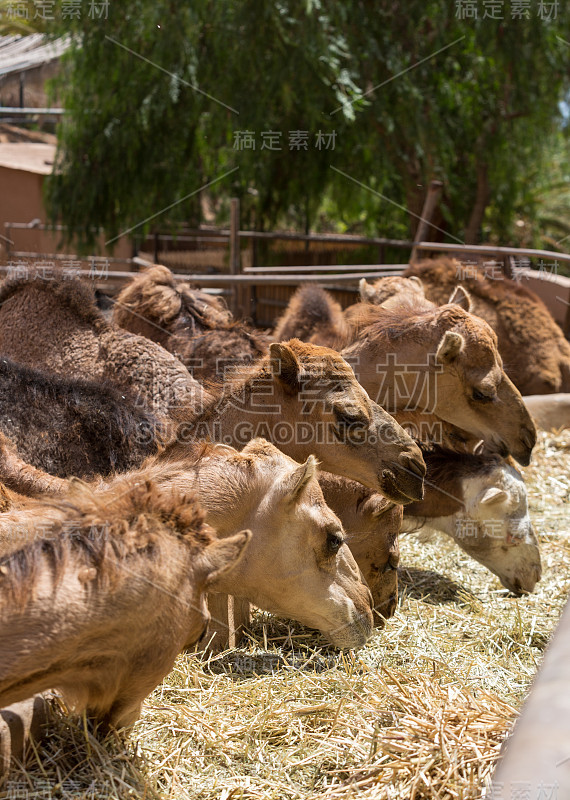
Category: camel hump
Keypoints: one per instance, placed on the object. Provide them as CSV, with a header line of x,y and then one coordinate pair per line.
x,y
310,307
75,295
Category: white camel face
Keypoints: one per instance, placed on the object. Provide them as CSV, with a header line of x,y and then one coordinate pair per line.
x,y
495,527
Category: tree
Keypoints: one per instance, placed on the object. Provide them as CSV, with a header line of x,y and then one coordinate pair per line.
x,y
168,98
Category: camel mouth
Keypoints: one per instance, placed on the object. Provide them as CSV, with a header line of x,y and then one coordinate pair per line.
x,y
384,611
403,487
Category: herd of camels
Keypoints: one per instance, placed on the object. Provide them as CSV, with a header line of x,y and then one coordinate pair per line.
x,y
168,451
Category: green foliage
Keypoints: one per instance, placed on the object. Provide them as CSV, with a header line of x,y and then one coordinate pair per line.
x,y
458,100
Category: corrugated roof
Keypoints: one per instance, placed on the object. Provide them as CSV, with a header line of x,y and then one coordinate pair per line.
x,y
19,53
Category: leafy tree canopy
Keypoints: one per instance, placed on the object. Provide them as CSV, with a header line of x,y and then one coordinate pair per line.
x,y
165,98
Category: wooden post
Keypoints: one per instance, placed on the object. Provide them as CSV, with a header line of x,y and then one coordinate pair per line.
x,y
430,204
235,262
508,267
229,616
538,752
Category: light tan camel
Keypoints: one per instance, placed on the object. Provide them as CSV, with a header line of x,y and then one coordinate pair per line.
x,y
481,503
533,347
388,291
372,524
103,599
298,564
54,325
194,326
306,400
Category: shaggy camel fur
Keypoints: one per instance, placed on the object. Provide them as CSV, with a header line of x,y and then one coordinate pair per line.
x,y
372,524
481,502
387,292
70,427
297,565
306,400
443,361
20,479
194,326
103,600
313,316
533,347
54,325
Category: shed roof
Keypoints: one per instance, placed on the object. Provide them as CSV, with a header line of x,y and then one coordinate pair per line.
x,y
19,53
28,156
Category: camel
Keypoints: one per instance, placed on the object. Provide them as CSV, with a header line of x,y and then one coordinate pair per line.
x,y
74,428
307,401
533,347
106,596
481,503
19,481
66,426
297,564
388,291
54,325
372,524
194,326
314,316
441,361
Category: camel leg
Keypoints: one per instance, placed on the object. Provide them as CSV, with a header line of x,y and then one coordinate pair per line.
x,y
18,723
229,616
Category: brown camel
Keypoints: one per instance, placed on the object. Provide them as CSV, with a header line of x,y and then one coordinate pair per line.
x,y
481,502
103,599
194,326
20,479
306,400
372,524
66,426
54,325
440,361
314,316
535,353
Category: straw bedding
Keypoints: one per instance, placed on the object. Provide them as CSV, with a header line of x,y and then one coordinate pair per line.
x,y
420,712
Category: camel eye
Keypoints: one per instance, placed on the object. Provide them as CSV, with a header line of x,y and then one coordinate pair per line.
x,y
480,397
334,542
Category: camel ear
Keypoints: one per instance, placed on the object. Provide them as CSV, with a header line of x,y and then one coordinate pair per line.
x,y
417,281
493,496
297,481
461,297
223,555
450,346
376,506
284,365
366,290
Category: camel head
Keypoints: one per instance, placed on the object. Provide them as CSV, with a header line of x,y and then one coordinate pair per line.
x,y
494,526
331,416
372,524
298,564
472,390
444,361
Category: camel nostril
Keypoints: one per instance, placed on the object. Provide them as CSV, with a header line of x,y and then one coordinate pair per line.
x,y
392,563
